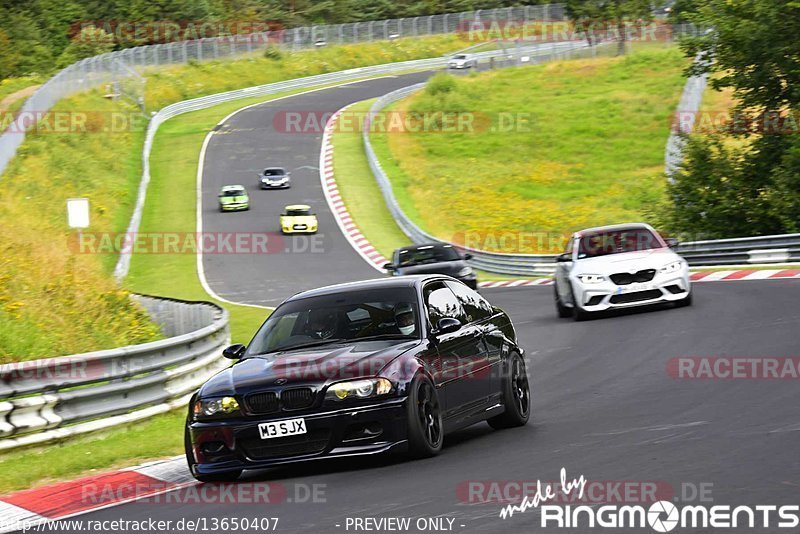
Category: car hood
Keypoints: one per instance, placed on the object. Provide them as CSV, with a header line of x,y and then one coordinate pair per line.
x,y
626,261
298,219
233,200
442,267
316,366
273,178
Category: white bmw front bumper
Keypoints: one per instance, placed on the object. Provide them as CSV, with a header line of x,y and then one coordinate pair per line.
x,y
603,295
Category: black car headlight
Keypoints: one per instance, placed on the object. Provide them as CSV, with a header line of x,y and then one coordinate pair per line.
x,y
215,407
365,388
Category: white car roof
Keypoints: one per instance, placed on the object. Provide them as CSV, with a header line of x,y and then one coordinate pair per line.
x,y
612,227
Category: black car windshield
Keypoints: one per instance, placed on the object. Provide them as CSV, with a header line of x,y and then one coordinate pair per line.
x,y
232,193
616,242
432,254
460,57
274,172
378,314
297,213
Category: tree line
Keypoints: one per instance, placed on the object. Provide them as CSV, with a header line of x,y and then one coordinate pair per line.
x,y
39,36
742,178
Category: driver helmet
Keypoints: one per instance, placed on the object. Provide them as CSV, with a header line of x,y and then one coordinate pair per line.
x,y
404,317
322,323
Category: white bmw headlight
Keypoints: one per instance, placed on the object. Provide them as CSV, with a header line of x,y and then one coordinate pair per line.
x,y
673,267
591,278
466,271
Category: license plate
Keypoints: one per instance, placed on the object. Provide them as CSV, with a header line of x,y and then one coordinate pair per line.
x,y
279,429
633,288
299,226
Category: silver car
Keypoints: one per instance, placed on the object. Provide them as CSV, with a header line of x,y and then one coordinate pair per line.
x,y
274,178
462,61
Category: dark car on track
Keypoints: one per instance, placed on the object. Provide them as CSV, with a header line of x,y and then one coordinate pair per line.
x,y
438,258
359,369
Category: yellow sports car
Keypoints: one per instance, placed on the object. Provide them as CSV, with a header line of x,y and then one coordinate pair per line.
x,y
298,219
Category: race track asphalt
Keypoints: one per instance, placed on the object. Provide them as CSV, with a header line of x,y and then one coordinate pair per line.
x,y
240,149
604,404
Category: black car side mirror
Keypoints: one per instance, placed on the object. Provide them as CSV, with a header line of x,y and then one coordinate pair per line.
x,y
561,258
234,352
467,256
446,325
671,242
388,267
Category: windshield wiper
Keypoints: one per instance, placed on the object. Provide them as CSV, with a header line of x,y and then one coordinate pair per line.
x,y
301,346
384,336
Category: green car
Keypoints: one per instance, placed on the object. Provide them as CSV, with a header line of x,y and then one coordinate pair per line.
x,y
233,198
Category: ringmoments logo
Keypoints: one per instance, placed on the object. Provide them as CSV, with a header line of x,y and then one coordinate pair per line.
x,y
660,516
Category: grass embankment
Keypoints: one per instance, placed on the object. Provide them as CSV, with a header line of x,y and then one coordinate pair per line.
x,y
587,148
363,197
53,301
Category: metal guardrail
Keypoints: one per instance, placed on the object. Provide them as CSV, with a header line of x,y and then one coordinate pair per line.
x,y
49,399
746,250
117,69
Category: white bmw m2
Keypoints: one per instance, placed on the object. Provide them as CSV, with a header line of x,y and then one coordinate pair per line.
x,y
617,267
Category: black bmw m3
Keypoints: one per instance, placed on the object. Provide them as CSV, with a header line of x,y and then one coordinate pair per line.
x,y
357,369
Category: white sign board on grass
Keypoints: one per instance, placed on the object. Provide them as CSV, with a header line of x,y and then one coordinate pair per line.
x,y
78,212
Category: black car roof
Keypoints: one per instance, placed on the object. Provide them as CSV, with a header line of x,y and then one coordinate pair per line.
x,y
377,283
427,245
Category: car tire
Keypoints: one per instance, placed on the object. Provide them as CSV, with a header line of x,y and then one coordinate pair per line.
x,y
578,313
227,476
424,416
686,301
562,310
516,396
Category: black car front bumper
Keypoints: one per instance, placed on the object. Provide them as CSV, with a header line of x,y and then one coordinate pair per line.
x,y
235,444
